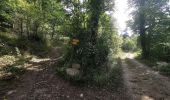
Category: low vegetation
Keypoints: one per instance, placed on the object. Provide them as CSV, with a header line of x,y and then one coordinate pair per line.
x,y
165,70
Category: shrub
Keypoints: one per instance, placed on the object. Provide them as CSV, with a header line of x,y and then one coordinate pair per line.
x,y
7,44
129,45
165,70
92,52
14,69
7,60
6,50
160,51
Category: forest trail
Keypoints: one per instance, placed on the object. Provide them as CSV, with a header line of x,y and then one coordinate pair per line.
x,y
144,83
42,83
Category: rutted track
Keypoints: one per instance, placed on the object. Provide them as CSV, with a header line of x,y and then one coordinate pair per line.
x,y
144,83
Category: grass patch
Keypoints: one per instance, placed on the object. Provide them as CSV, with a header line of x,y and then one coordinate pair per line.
x,y
111,79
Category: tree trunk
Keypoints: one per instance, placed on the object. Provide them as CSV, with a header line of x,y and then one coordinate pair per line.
x,y
142,30
96,9
53,31
27,27
21,27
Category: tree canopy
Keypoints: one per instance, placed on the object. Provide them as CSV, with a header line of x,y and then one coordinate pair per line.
x,y
151,21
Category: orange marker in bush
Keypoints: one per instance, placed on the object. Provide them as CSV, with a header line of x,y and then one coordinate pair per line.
x,y
75,41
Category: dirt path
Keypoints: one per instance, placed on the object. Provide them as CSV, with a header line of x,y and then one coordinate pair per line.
x,y
41,83
144,83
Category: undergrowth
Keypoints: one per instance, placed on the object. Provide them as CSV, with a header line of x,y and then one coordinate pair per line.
x,y
8,45
10,72
165,70
111,79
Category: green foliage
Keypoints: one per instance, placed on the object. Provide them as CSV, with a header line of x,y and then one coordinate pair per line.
x,y
151,21
130,44
38,23
160,52
93,28
5,15
8,45
16,70
93,58
165,70
112,78
32,18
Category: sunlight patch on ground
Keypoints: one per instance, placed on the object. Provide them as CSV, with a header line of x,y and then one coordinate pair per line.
x,y
36,60
35,68
144,97
7,60
128,55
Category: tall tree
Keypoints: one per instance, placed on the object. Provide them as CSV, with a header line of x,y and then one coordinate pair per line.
x,y
5,15
147,16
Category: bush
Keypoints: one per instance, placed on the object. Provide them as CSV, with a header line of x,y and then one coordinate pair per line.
x,y
14,69
160,51
7,44
91,58
130,44
6,50
34,44
111,78
165,70
92,51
